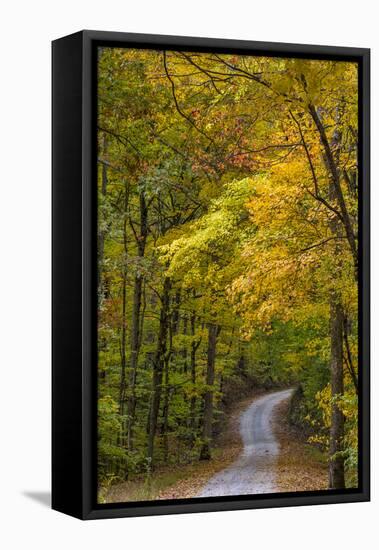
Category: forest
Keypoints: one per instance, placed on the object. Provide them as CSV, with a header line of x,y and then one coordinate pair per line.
x,y
227,253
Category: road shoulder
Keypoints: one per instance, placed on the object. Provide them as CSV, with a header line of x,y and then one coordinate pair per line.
x,y
300,466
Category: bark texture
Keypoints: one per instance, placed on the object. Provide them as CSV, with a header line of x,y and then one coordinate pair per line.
x,y
205,453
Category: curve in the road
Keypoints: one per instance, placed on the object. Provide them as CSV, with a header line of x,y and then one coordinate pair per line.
x,y
254,470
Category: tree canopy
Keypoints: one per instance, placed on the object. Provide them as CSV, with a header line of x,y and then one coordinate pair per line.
x,y
227,251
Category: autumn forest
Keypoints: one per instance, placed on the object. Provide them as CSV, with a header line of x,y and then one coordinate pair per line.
x,y
227,271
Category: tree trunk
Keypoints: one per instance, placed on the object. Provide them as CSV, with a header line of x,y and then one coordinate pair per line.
x,y
122,346
337,194
205,453
336,443
194,346
166,406
336,460
122,392
176,313
158,365
167,391
336,446
184,349
136,329
349,359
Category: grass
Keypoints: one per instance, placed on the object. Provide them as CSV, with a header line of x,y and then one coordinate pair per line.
x,y
181,481
177,481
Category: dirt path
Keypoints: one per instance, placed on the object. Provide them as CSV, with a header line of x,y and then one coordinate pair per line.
x,y
254,470
259,452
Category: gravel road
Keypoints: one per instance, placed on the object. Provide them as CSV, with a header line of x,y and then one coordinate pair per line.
x,y
254,470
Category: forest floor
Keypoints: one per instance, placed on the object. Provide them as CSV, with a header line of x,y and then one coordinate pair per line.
x,y
297,466
185,481
227,448
300,466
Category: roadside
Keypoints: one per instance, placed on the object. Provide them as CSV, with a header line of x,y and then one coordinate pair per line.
x,y
227,447
185,481
300,465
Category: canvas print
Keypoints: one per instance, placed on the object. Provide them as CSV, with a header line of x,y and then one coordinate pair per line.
x,y
227,259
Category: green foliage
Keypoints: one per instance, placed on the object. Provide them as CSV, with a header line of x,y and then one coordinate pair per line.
x,y
215,210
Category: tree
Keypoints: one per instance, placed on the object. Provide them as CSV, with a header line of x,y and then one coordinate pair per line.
x,y
227,250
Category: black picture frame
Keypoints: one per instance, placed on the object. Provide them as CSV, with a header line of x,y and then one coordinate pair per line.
x,y
74,274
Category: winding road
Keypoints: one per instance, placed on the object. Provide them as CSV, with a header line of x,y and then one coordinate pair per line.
x,y
254,470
